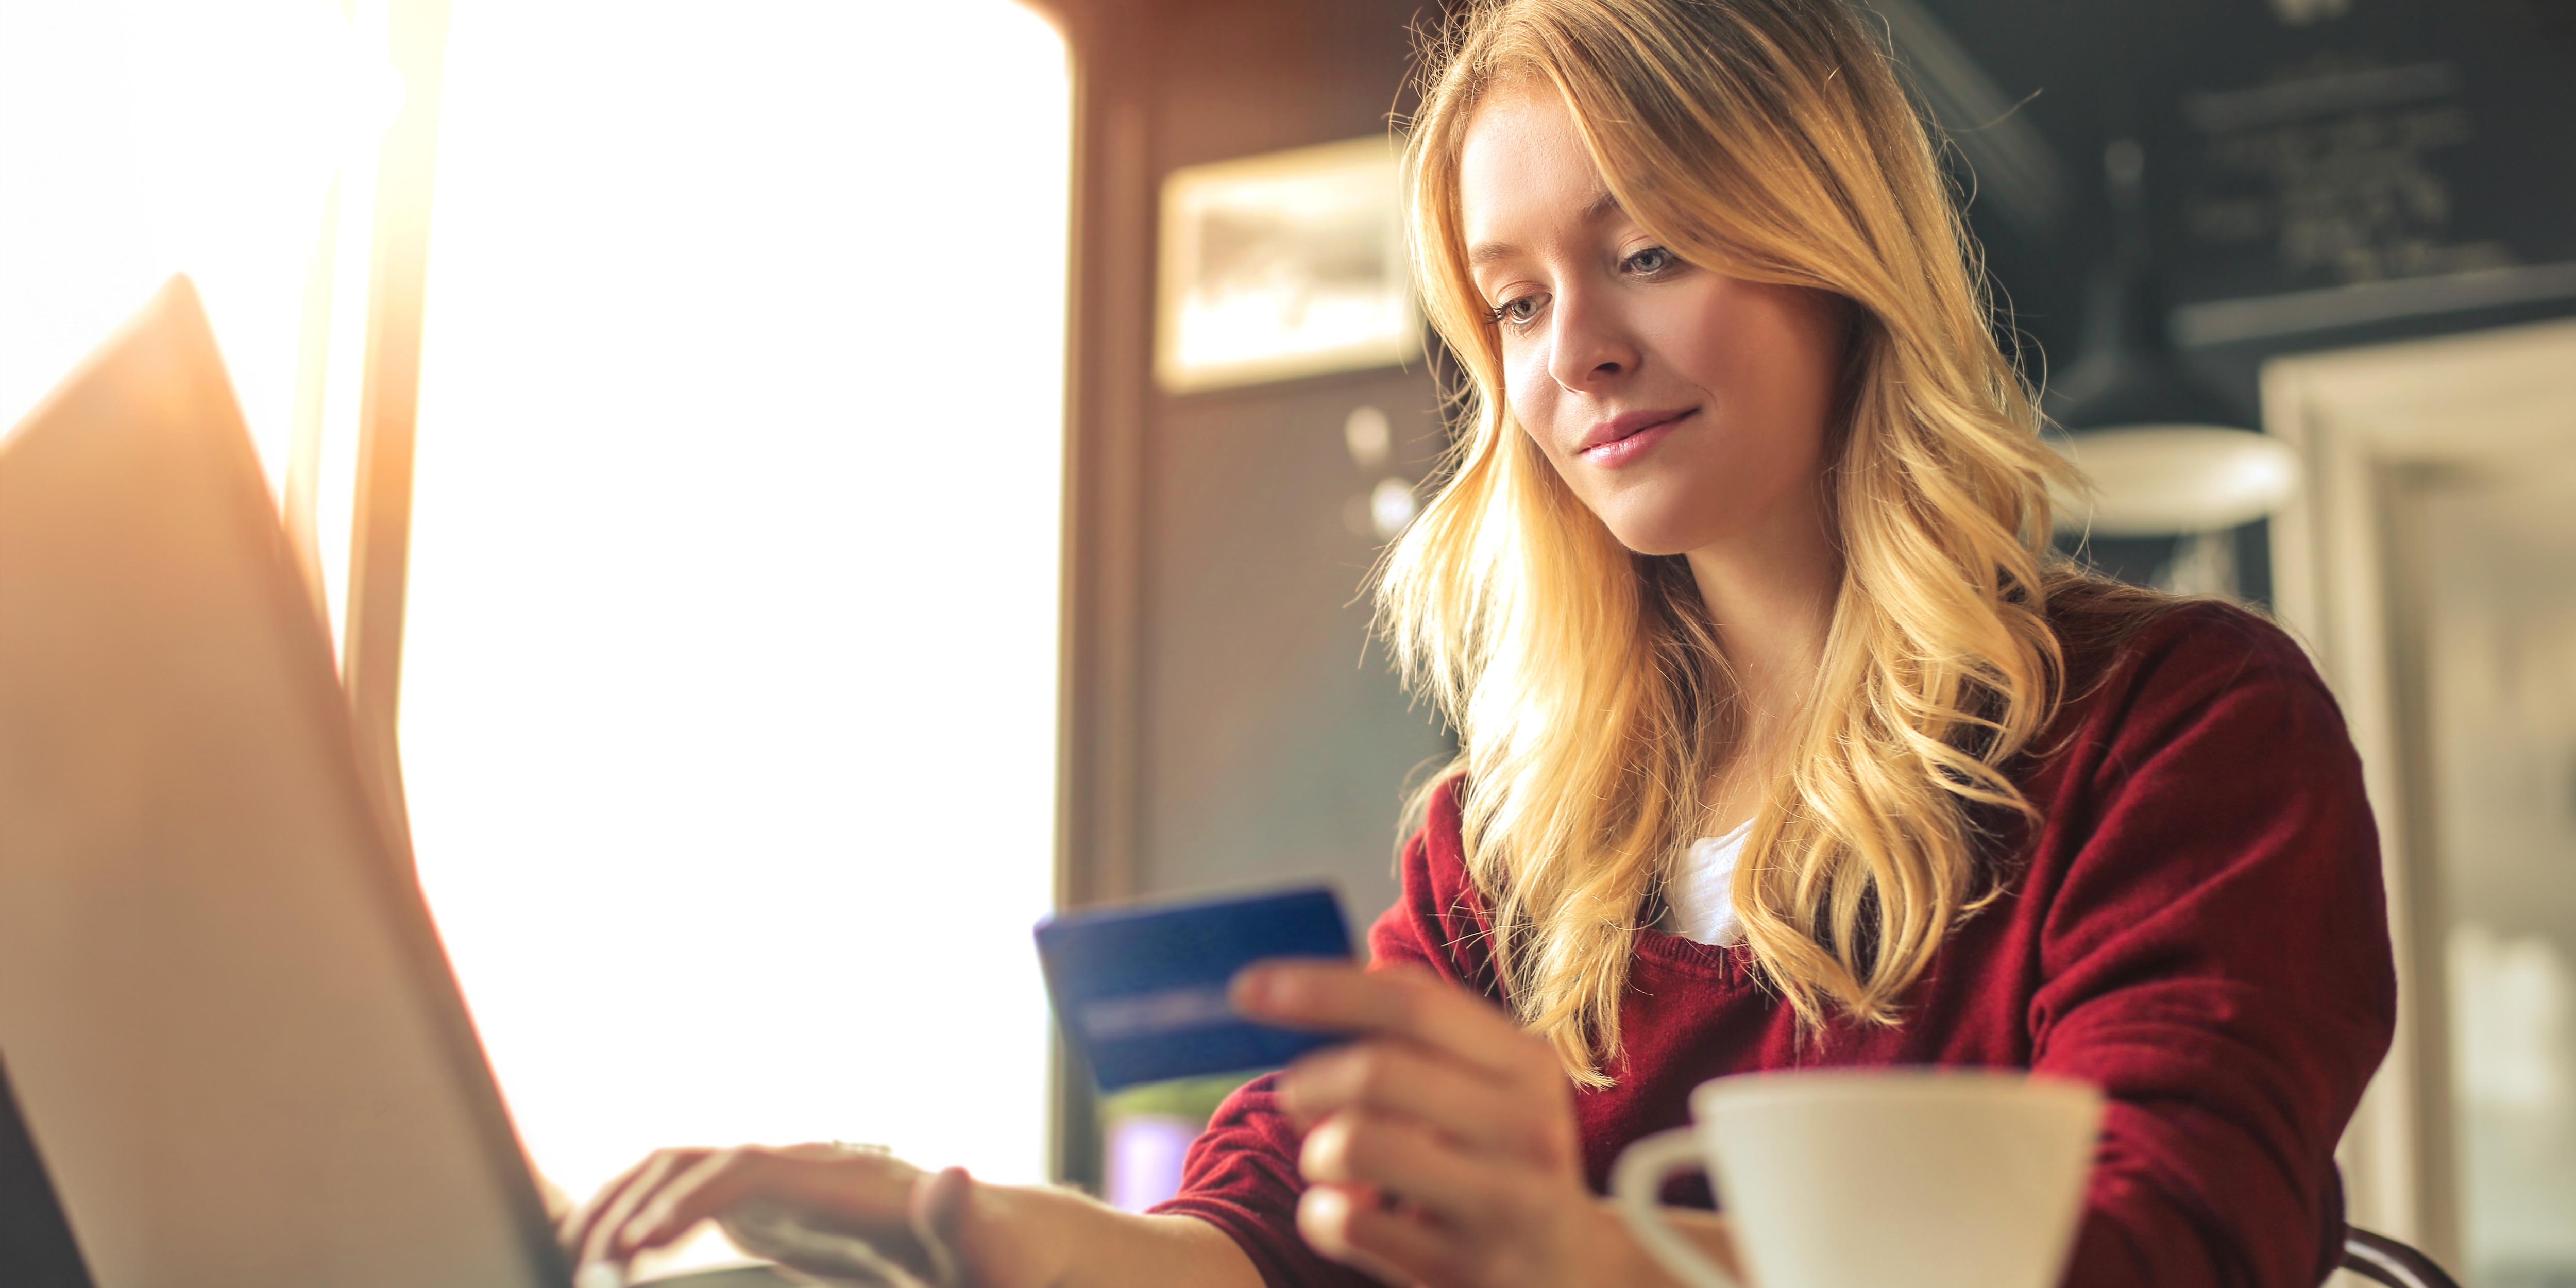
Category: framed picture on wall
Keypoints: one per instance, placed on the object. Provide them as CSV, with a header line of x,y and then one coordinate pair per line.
x,y
1284,265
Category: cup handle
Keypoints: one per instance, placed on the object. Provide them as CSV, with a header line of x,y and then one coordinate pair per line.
x,y
1637,1187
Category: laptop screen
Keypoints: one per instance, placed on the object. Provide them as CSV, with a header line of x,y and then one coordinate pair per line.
x,y
231,1032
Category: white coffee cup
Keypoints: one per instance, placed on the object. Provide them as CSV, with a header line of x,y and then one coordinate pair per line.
x,y
1875,1178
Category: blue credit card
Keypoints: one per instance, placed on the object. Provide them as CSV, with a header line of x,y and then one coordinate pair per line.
x,y
1141,991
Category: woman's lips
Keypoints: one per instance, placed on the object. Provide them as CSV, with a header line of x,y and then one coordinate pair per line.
x,y
1628,437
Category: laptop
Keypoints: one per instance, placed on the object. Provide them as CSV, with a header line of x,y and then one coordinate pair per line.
x,y
230,1030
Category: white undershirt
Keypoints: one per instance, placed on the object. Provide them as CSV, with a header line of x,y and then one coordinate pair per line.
x,y
1695,900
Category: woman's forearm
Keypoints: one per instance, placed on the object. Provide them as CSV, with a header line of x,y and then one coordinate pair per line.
x,y
1054,1238
1033,1237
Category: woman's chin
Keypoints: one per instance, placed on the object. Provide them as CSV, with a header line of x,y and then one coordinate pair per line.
x,y
1656,538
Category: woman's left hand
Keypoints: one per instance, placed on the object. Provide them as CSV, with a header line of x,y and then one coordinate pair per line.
x,y
1441,1146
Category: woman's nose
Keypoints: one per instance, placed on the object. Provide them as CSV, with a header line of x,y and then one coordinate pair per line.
x,y
1588,347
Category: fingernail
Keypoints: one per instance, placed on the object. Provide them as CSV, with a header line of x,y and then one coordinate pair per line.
x,y
1292,1100
1256,988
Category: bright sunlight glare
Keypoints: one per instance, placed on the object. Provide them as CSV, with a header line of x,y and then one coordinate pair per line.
x,y
140,138
729,685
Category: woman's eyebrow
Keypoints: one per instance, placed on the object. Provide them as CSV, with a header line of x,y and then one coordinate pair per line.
x,y
1602,207
1599,208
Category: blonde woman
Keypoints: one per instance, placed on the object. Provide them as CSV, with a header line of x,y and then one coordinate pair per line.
x,y
1785,744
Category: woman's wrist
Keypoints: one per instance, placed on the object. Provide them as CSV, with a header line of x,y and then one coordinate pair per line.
x,y
1625,1261
1018,1236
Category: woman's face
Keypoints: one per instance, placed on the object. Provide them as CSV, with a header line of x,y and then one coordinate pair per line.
x,y
1687,408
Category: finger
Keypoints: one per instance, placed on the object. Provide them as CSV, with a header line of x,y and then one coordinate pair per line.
x,y
576,1228
587,1230
559,1205
1397,1078
1407,1004
686,1197
1395,1247
1401,1155
866,1190
937,1207
573,1227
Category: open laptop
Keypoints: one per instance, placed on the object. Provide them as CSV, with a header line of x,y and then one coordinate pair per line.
x,y
231,1031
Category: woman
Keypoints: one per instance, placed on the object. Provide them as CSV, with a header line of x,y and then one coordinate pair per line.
x,y
1785,744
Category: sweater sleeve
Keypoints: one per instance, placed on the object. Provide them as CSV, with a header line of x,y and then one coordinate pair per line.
x,y
2215,956
1240,1175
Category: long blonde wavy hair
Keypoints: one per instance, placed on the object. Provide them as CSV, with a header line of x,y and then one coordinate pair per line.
x,y
1769,140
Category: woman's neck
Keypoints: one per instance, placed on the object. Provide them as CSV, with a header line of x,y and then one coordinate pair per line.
x,y
1770,597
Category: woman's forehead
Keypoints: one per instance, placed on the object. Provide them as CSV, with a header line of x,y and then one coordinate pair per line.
x,y
1523,171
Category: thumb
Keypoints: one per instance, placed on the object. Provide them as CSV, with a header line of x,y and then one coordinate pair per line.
x,y
937,1211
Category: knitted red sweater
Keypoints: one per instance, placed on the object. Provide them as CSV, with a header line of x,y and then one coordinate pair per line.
x,y
2197,926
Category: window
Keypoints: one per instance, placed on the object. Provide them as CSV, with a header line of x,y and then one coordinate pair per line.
x,y
233,140
729,683
729,705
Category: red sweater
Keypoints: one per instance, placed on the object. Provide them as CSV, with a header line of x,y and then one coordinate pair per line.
x,y
2197,926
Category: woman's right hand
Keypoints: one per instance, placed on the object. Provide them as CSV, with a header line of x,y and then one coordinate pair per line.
x,y
920,1220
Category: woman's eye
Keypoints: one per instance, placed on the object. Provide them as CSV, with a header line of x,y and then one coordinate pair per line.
x,y
1648,262
1518,311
